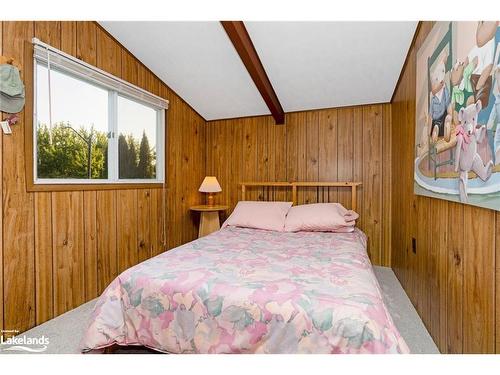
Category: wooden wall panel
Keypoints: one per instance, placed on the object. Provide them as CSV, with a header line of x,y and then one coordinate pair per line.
x,y
437,274
386,185
327,156
311,130
108,54
187,186
143,195
454,290
107,262
90,241
292,149
331,144
126,223
68,251
86,42
18,206
235,166
451,279
48,32
277,156
174,147
345,152
420,261
68,37
301,156
156,206
143,224
43,258
157,221
372,187
249,154
61,249
358,160
479,280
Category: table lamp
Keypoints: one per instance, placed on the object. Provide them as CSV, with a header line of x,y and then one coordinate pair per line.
x,y
210,185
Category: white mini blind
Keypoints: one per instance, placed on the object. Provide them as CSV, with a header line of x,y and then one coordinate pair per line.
x,y
45,54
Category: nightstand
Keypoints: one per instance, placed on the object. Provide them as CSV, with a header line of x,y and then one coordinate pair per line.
x,y
209,218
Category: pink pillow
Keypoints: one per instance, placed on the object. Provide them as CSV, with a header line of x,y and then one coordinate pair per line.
x,y
259,215
320,217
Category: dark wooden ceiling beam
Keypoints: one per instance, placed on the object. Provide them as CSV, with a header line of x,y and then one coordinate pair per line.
x,y
240,38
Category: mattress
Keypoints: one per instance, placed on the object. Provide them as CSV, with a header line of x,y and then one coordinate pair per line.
x,y
242,290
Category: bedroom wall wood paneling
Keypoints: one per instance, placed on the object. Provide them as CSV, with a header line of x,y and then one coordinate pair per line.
x,y
452,277
339,144
1,201
60,249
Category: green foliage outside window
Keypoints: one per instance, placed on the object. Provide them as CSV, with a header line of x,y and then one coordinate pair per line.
x,y
134,164
62,152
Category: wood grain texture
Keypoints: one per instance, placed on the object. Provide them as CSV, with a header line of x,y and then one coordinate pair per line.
x,y
437,274
68,251
126,223
455,277
301,158
325,145
48,32
18,205
1,202
452,279
143,227
107,262
386,186
60,249
277,155
86,43
479,280
372,187
345,151
358,159
451,271
312,155
328,153
43,258
90,241
107,52
68,37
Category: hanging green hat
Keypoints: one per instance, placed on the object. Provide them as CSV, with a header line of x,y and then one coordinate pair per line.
x,y
12,93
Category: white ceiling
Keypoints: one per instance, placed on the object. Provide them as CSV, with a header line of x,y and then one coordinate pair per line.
x,y
196,60
331,64
310,64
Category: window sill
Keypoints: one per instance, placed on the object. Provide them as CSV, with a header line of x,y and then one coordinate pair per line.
x,y
80,187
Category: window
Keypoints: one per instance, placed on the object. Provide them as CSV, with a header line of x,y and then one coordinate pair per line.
x,y
136,134
91,127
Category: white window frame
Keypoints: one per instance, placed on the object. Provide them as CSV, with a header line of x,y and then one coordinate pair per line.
x,y
115,87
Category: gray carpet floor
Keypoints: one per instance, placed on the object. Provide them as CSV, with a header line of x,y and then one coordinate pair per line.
x,y
65,331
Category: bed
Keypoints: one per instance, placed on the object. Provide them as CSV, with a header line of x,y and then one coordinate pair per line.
x,y
243,290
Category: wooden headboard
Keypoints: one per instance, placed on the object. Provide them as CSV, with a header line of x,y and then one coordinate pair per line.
x,y
294,185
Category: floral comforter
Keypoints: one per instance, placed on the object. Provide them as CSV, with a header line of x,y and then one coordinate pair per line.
x,y
243,290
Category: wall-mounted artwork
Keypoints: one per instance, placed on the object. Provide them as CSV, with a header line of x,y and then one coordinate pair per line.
x,y
457,140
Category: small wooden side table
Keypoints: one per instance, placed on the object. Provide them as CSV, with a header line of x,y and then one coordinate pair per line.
x,y
209,218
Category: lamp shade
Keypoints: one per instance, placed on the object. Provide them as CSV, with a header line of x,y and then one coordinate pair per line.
x,y
210,185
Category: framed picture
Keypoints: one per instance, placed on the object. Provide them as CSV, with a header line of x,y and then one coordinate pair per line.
x,y
457,130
